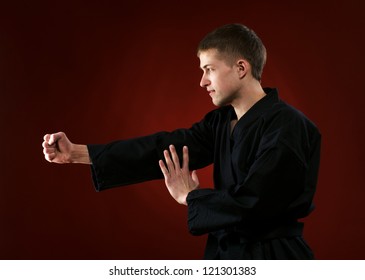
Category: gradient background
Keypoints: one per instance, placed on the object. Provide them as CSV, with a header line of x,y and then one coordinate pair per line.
x,y
102,71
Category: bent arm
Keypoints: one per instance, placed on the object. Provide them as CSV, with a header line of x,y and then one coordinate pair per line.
x,y
279,186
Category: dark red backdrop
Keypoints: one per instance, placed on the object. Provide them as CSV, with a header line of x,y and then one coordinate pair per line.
x,y
107,71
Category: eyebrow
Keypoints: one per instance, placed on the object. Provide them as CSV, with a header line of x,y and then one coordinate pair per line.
x,y
205,66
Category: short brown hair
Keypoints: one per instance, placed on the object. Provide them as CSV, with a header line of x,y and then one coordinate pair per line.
x,y
237,40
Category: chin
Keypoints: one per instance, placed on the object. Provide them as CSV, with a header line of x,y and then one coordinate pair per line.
x,y
220,103
215,103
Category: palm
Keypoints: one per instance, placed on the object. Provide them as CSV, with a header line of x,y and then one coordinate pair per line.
x,y
178,180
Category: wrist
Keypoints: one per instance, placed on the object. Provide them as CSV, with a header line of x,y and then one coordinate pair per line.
x,y
79,154
183,200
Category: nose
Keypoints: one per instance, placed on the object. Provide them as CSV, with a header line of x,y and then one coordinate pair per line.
x,y
204,82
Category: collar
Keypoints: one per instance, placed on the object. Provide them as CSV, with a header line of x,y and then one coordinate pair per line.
x,y
257,110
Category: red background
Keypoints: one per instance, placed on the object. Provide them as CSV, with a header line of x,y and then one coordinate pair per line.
x,y
106,71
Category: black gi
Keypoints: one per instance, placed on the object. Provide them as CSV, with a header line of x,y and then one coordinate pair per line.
x,y
265,175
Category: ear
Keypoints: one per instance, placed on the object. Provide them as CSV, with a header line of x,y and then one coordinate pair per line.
x,y
242,68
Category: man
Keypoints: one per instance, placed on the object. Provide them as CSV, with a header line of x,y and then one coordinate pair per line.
x,y
265,155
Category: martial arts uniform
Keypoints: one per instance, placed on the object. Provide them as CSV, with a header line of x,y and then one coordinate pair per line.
x,y
265,175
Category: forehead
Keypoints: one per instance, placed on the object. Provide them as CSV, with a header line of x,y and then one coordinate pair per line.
x,y
208,57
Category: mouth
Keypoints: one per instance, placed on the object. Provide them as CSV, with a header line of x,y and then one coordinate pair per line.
x,y
211,92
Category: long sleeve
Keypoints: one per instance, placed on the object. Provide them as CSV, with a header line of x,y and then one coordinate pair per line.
x,y
278,184
136,160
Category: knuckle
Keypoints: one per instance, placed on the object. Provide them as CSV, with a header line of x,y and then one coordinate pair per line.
x,y
47,157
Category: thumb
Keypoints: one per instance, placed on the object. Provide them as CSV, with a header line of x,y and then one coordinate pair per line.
x,y
195,178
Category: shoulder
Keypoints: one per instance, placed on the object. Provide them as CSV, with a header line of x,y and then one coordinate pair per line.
x,y
289,125
284,114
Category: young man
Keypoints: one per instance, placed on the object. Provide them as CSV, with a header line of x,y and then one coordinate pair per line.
x,y
265,155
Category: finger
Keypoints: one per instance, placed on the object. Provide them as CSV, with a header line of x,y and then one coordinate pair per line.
x,y
45,144
185,158
46,137
50,157
55,137
49,150
163,168
170,165
46,140
175,157
194,177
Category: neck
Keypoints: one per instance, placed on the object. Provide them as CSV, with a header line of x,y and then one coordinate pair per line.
x,y
248,96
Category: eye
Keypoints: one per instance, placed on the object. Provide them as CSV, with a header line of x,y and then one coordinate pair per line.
x,y
207,69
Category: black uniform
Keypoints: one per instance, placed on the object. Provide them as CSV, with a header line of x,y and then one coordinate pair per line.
x,y
265,175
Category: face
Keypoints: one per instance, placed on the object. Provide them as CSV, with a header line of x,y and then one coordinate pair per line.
x,y
219,78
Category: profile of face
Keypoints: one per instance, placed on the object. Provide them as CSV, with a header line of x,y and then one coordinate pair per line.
x,y
222,80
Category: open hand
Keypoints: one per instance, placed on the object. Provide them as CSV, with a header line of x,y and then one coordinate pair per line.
x,y
178,180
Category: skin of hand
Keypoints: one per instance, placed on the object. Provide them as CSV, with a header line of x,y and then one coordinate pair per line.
x,y
179,181
57,148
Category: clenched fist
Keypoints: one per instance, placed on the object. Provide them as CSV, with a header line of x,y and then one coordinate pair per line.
x,y
58,149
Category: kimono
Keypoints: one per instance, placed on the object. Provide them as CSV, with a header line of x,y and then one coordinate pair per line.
x,y
265,175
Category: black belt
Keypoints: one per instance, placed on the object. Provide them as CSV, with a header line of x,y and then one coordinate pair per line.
x,y
251,233
232,239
